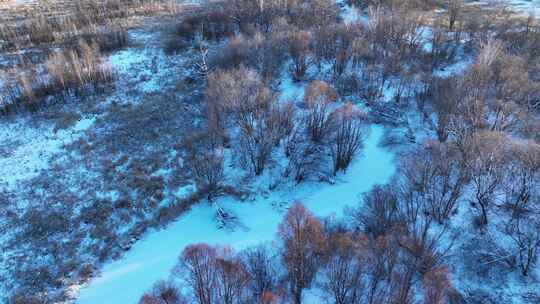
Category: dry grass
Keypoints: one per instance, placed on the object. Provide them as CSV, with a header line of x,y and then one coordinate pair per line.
x,y
70,37
61,22
77,68
75,71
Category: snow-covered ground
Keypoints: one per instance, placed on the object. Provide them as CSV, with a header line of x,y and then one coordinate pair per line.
x,y
525,6
152,258
31,148
29,145
145,68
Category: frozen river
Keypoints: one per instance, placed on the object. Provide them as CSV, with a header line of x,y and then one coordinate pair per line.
x,y
150,259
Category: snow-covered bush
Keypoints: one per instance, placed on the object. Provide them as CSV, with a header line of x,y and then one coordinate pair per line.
x,y
350,132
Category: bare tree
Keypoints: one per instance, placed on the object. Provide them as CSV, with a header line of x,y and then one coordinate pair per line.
x,y
437,286
402,277
232,277
374,80
446,96
299,50
485,163
205,162
394,37
522,183
239,99
262,267
317,13
489,52
383,253
197,268
261,129
318,96
319,90
419,237
230,93
512,88
246,12
471,112
306,158
436,173
267,53
303,248
441,49
349,134
525,232
401,242
379,213
343,274
334,46
403,85
454,11
163,292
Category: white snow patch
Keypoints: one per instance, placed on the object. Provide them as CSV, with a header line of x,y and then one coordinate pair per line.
x,y
524,7
291,90
454,69
144,68
30,148
185,191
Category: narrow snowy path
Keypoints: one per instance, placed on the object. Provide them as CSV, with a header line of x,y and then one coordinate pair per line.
x,y
152,258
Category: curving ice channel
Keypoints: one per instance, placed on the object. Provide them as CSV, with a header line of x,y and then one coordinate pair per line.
x,y
150,259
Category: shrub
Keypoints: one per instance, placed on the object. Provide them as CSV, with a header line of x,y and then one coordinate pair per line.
x,y
438,178
348,137
318,97
344,273
205,161
299,50
261,131
306,159
163,292
262,265
304,246
76,71
231,94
